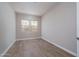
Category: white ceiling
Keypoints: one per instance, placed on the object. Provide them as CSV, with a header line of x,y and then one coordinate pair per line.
x,y
33,8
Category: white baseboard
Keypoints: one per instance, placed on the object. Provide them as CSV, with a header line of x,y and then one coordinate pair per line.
x,y
28,38
74,54
7,48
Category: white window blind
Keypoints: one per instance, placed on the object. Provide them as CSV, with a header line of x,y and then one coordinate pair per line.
x,y
31,25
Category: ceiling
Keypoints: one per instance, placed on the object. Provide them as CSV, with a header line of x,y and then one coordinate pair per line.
x,y
33,8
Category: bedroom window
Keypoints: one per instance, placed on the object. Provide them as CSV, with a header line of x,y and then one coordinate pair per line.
x,y
29,25
34,25
25,24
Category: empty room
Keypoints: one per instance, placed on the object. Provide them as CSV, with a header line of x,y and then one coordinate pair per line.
x,y
38,29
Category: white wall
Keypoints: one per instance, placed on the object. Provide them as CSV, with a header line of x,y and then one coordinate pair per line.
x,y
78,28
59,26
78,20
78,48
7,26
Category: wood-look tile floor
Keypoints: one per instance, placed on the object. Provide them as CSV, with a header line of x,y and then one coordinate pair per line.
x,y
35,48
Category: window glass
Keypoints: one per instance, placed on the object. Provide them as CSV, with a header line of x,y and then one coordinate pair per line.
x,y
29,25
